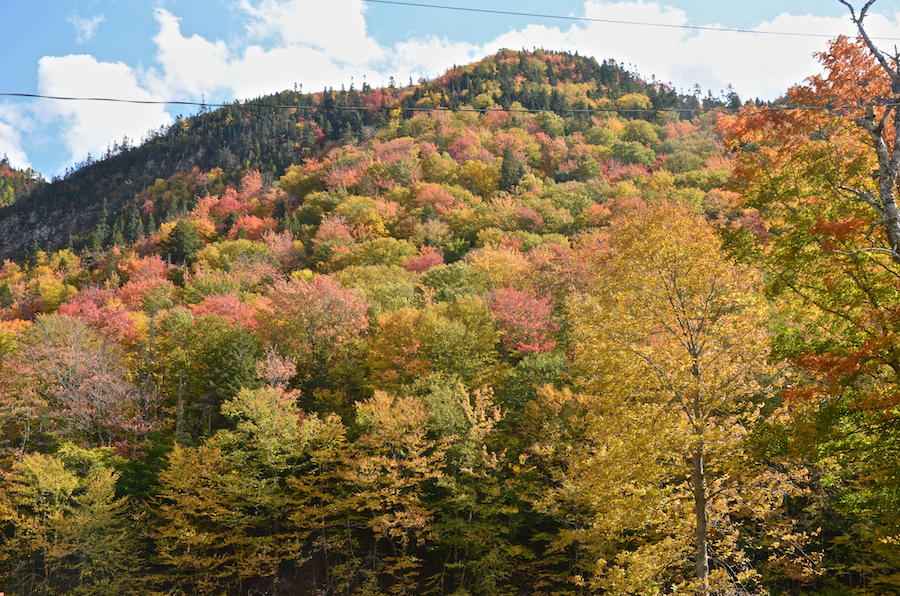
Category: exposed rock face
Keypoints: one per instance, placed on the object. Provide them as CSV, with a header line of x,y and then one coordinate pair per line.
x,y
21,229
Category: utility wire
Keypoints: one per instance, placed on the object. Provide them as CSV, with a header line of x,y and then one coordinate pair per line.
x,y
133,101
615,22
250,104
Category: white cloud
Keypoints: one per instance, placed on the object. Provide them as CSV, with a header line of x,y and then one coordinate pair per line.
x,y
85,28
336,27
262,71
90,127
429,56
191,65
12,124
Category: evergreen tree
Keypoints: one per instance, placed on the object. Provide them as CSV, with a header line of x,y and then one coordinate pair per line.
x,y
6,296
511,170
183,242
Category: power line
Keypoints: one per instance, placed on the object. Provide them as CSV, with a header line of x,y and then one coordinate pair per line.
x,y
612,21
116,100
249,104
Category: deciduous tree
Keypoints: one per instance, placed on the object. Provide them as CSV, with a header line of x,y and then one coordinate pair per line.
x,y
68,533
673,343
318,323
524,320
82,382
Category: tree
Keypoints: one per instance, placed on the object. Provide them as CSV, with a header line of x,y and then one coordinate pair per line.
x,y
7,300
183,241
68,533
883,128
319,324
523,318
389,469
855,149
324,516
673,344
201,536
457,339
206,359
223,506
77,380
825,182
475,501
100,309
512,169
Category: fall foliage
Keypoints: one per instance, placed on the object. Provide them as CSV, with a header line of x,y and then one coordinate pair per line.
x,y
473,340
825,181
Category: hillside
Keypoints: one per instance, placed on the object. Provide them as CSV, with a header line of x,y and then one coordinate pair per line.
x,y
252,136
15,183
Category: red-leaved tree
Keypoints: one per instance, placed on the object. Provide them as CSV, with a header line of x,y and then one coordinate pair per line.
x,y
524,319
82,383
318,323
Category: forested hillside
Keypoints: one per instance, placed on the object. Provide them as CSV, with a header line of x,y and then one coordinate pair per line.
x,y
270,133
534,327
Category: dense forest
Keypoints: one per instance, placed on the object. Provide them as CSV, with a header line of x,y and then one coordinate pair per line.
x,y
534,327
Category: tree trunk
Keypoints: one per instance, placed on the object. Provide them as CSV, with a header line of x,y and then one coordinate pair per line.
x,y
181,435
891,213
888,156
701,549
888,169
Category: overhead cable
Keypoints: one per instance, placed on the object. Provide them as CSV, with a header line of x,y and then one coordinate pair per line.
x,y
612,21
252,104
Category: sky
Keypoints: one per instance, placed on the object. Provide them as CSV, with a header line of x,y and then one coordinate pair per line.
x,y
216,51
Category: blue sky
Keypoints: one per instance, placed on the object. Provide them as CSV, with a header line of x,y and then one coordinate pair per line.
x,y
221,50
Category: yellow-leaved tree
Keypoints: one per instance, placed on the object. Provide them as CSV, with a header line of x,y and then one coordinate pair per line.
x,y
672,345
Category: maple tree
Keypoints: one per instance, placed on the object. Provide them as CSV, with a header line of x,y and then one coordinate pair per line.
x,y
319,324
100,309
524,320
828,179
427,258
80,384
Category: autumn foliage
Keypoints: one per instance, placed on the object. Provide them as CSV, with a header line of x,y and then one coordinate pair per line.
x,y
475,340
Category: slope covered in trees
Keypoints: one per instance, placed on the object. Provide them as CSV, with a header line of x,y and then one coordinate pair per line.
x,y
270,133
469,350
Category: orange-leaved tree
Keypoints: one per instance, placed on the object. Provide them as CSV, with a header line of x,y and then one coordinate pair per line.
x,y
825,181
